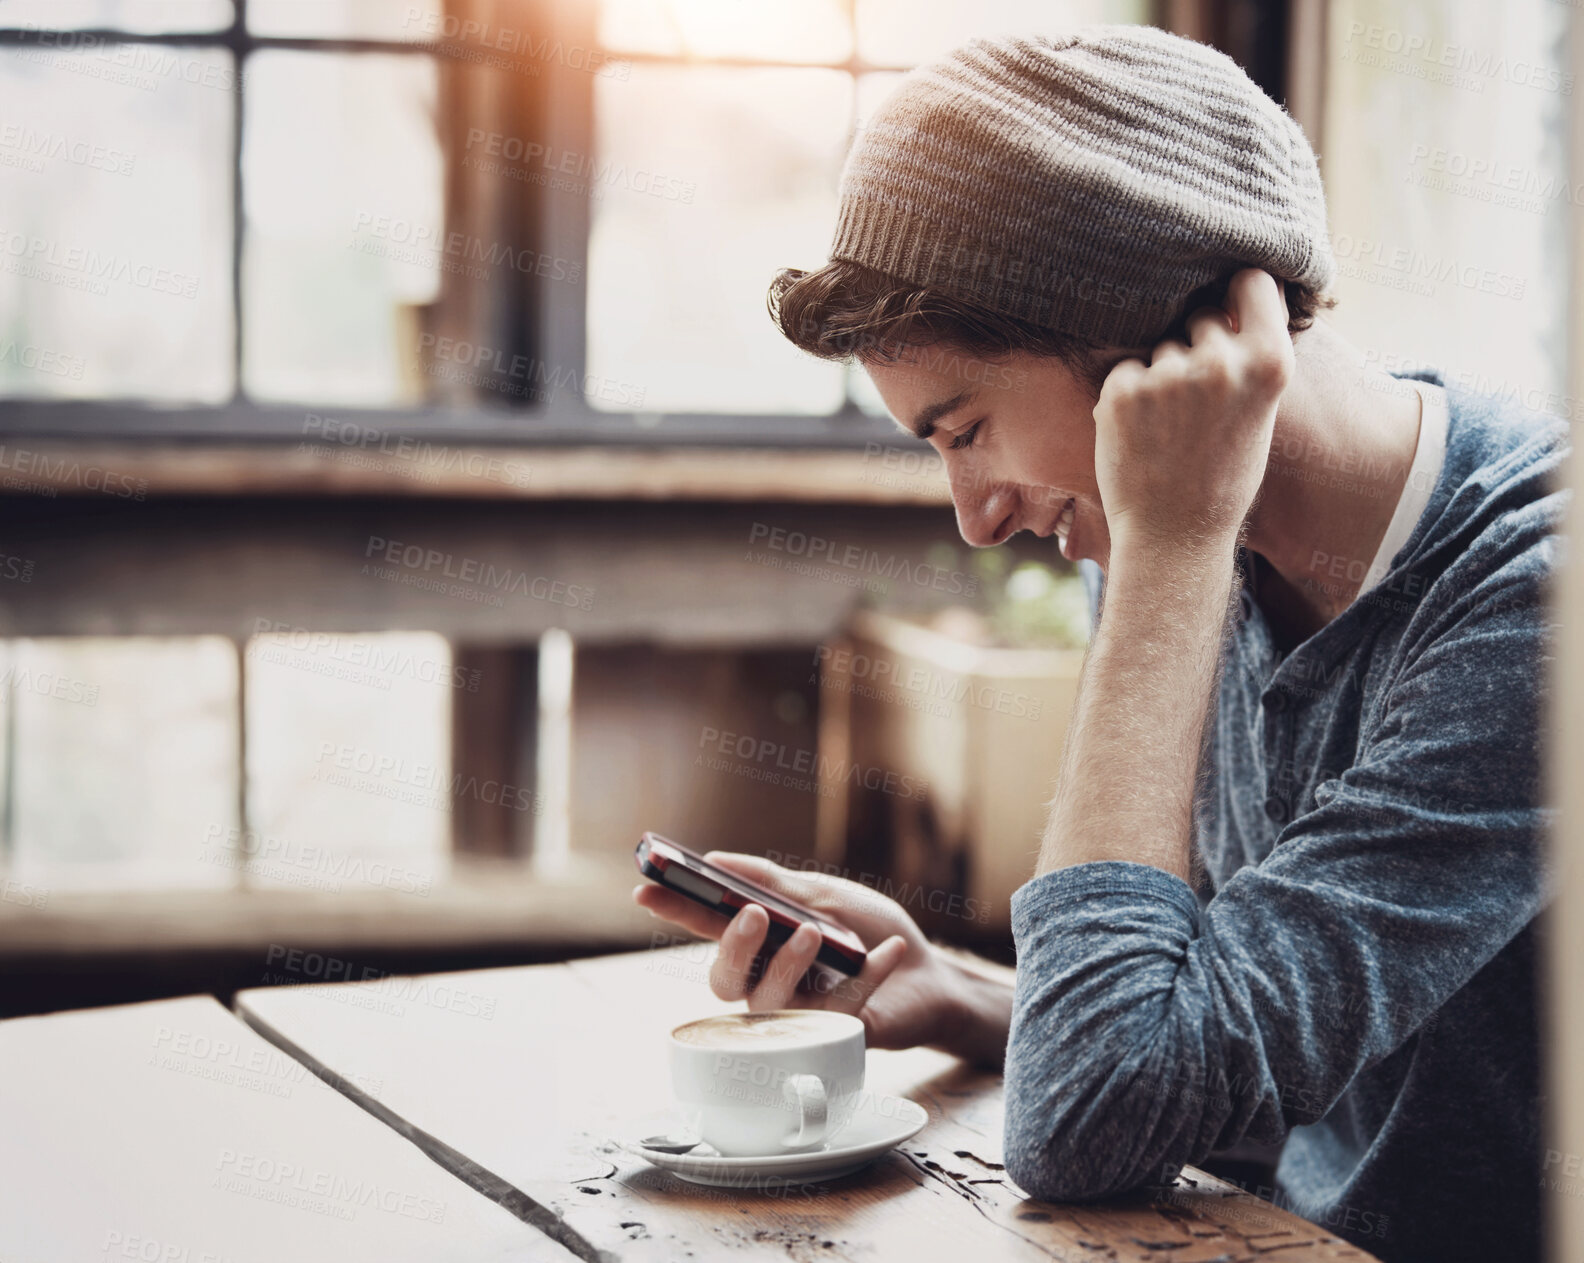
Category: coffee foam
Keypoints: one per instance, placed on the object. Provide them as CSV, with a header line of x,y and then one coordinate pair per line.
x,y
762,1030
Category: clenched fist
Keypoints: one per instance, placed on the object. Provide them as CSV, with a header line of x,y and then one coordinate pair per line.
x,y
1181,442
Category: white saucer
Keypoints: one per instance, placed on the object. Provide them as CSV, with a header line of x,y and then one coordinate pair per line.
x,y
878,1124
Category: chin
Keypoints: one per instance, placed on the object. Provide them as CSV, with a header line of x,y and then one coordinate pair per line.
x,y
1095,550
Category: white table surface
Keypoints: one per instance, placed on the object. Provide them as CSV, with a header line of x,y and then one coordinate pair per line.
x,y
172,1131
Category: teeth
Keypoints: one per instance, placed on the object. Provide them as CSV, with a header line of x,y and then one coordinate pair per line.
x,y
1065,521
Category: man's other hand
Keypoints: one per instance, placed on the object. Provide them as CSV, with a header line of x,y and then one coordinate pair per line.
x,y
1181,443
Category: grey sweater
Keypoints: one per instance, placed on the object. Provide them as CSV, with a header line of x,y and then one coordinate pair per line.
x,y
1357,974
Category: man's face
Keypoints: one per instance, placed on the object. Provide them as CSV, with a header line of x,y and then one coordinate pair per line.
x,y
1017,436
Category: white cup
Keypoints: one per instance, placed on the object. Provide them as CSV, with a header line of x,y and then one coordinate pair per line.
x,y
759,1084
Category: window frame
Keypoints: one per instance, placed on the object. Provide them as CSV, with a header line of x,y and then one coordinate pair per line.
x,y
546,321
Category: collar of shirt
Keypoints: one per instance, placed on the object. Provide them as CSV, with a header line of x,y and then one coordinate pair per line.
x,y
1429,453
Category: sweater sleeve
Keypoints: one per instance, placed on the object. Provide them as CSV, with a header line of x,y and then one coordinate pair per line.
x,y
1147,1032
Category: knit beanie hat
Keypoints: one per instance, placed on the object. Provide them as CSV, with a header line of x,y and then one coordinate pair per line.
x,y
1087,183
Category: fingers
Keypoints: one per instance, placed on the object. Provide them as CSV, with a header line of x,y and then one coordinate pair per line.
x,y
1124,372
1202,327
1258,310
731,974
782,984
772,876
1254,304
670,906
741,970
837,899
852,995
1165,350
1252,319
778,988
1207,324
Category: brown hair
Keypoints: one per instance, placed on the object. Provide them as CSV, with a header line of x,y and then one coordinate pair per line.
x,y
846,311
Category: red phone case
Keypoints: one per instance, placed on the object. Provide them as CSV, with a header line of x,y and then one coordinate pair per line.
x,y
688,873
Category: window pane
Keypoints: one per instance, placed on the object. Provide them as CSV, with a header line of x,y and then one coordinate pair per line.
x,y
777,30
344,206
349,773
125,761
142,17
115,223
872,90
352,19
906,32
1448,189
8,652
713,179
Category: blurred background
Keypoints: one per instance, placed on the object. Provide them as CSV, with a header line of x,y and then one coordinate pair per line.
x,y
405,500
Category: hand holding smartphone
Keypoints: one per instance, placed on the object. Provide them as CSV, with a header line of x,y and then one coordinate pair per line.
x,y
673,866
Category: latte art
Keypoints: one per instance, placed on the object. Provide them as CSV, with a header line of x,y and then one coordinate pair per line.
x,y
781,1028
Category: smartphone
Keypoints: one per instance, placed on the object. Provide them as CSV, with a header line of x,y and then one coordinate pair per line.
x,y
688,873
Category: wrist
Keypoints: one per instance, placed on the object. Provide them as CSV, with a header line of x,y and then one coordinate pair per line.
x,y
1213,523
1146,577
1136,549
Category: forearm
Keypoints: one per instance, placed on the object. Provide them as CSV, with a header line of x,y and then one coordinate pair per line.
x,y
1126,786
1119,1065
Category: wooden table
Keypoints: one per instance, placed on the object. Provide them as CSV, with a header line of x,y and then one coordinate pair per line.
x,y
170,1131
532,1076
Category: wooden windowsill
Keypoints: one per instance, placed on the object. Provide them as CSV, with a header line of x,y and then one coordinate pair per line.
x,y
149,469
483,904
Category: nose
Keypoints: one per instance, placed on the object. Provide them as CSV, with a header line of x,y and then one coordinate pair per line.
x,y
984,518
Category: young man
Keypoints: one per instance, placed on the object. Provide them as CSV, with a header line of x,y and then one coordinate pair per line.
x,y
1290,883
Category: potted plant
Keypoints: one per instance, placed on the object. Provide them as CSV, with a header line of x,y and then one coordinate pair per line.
x,y
941,731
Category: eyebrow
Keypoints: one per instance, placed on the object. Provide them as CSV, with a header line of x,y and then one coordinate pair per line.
x,y
924,423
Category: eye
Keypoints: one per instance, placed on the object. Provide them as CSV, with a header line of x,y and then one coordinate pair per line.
x,y
966,438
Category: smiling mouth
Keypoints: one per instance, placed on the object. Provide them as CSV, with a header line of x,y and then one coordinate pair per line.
x,y
1062,526
1061,523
